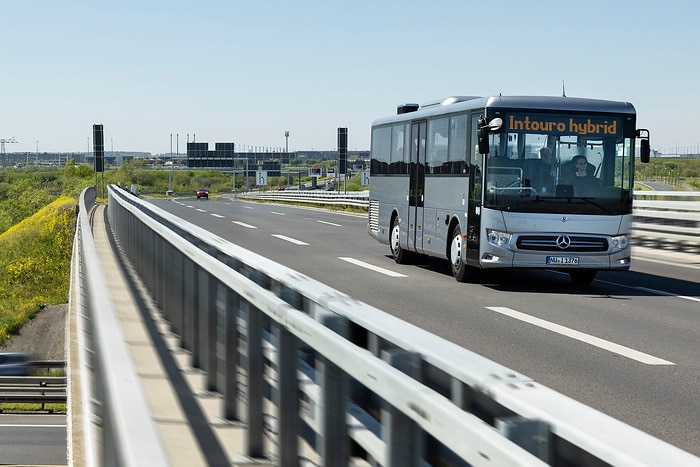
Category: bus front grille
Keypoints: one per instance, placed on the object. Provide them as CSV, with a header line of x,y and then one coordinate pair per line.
x,y
576,243
374,215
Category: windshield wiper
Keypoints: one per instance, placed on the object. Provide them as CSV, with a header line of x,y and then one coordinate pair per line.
x,y
598,205
540,199
570,198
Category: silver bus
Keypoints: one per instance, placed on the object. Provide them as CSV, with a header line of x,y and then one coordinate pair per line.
x,y
507,182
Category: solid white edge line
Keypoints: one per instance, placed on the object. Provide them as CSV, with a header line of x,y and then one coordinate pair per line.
x,y
667,294
289,239
18,425
371,267
654,291
580,336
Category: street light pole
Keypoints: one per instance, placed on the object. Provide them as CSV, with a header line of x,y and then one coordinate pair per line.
x,y
170,184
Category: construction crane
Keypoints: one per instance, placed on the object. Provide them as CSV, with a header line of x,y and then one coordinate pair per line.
x,y
2,148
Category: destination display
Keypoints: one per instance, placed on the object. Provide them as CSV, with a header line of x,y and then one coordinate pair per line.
x,y
564,125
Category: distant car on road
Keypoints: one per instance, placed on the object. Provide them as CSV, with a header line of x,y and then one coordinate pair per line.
x,y
203,193
15,363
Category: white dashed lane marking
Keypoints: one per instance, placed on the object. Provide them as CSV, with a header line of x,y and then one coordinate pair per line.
x,y
372,267
243,224
289,239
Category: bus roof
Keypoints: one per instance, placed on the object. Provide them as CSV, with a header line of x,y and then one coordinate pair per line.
x,y
543,103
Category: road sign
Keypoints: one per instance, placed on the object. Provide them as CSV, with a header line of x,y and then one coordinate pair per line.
x,y
261,177
364,178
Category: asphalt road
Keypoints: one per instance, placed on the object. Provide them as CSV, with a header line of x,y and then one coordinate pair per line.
x,y
627,345
32,439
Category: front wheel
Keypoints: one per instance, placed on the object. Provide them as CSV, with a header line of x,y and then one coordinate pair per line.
x,y
400,255
582,277
460,270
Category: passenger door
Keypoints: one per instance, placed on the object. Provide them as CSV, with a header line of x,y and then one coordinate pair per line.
x,y
416,187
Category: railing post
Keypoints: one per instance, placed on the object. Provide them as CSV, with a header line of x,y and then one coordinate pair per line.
x,y
403,437
210,319
189,290
334,447
256,384
287,399
232,356
194,314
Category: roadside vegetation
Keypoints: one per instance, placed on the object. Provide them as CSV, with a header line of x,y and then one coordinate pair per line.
x,y
35,255
680,172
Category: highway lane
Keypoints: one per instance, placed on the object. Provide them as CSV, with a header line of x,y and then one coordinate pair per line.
x,y
627,345
33,439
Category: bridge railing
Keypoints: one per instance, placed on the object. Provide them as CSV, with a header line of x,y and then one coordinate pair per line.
x,y
110,421
341,373
667,219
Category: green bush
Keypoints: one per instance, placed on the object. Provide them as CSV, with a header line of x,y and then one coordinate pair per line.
x,y
35,256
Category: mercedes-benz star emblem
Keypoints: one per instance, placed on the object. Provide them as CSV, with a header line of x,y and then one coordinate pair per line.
x,y
563,242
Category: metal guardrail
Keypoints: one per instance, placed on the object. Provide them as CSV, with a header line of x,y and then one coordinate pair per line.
x,y
662,219
115,421
32,389
667,219
358,199
331,359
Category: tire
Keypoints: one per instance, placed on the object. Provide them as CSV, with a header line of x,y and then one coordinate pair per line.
x,y
400,255
460,270
582,277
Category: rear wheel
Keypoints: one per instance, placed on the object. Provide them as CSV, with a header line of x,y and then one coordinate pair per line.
x,y
583,276
400,255
460,270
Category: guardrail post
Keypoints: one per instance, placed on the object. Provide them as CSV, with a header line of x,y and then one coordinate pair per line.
x,y
403,437
256,384
232,357
194,315
189,290
532,435
209,320
203,305
179,285
287,396
334,447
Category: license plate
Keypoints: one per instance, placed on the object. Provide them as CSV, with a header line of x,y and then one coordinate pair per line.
x,y
563,260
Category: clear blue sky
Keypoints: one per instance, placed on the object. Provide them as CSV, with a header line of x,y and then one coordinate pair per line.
x,y
246,72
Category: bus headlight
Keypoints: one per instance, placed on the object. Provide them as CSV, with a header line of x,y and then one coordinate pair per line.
x,y
497,238
620,242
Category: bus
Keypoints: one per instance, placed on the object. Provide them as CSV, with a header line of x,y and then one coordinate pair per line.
x,y
507,182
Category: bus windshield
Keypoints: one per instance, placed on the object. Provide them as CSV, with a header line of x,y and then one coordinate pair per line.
x,y
550,163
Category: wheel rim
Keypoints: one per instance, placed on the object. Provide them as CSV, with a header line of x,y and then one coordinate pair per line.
x,y
395,233
456,250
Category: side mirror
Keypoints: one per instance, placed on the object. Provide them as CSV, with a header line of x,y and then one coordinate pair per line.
x,y
644,146
484,130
